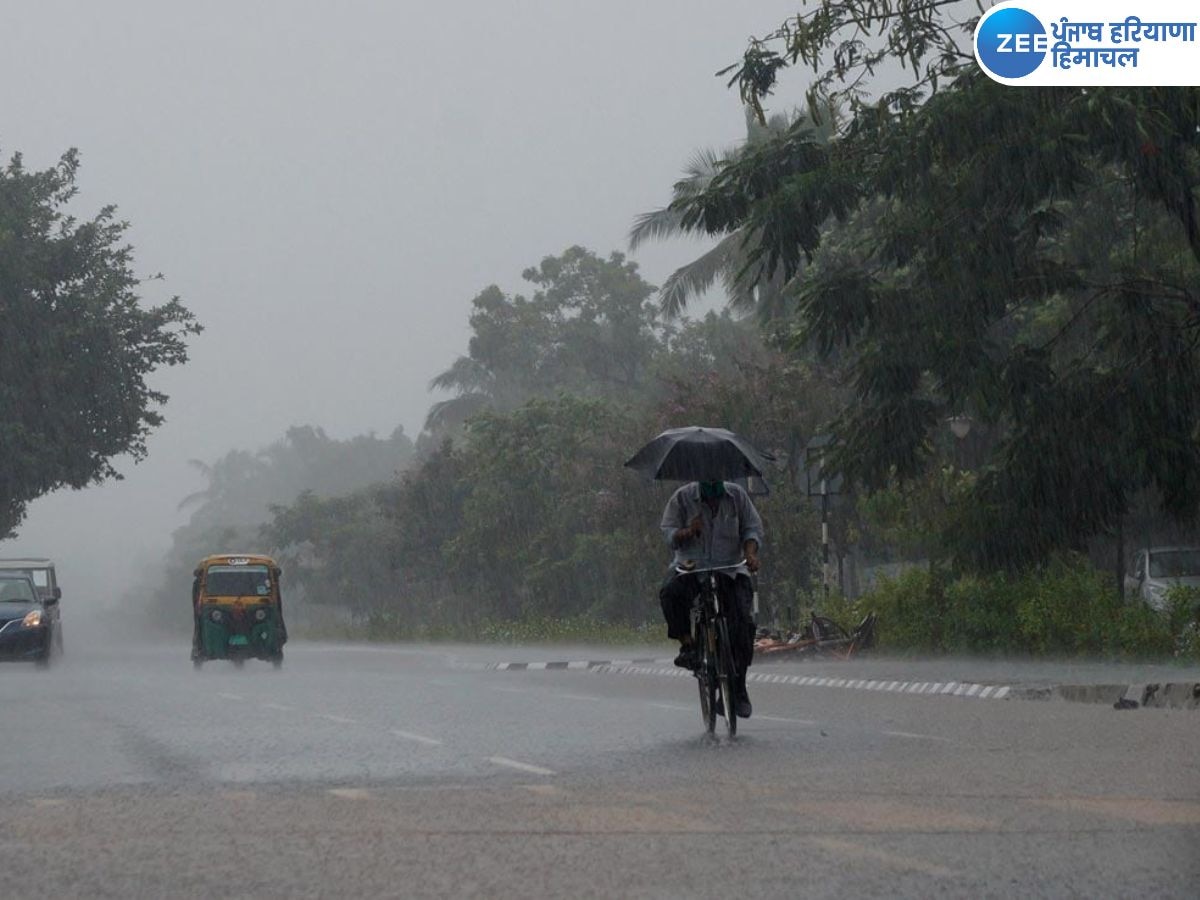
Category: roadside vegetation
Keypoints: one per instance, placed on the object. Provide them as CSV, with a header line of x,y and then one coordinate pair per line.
x,y
893,269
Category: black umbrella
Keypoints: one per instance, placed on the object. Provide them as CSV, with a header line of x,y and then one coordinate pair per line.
x,y
699,454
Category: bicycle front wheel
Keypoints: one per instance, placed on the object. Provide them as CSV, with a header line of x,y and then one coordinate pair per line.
x,y
726,677
705,678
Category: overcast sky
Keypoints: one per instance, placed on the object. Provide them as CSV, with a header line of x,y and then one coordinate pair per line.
x,y
329,184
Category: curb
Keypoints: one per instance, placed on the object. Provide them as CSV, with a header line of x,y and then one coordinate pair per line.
x,y
1151,695
573,664
1169,695
664,668
925,688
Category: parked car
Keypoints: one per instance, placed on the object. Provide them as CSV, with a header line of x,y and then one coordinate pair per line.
x,y
29,624
40,569
1155,570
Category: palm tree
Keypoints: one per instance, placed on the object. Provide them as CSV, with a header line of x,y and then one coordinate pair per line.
x,y
474,385
750,288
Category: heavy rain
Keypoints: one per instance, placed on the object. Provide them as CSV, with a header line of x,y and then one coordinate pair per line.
x,y
620,450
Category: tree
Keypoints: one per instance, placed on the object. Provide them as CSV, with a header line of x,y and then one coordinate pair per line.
x,y
1047,284
587,329
76,345
749,287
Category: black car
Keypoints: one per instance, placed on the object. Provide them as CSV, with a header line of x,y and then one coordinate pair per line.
x,y
29,625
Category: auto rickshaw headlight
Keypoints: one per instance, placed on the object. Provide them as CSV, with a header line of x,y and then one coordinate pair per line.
x,y
32,619
216,615
260,615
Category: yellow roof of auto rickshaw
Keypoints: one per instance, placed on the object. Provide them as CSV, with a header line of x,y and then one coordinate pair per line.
x,y
244,559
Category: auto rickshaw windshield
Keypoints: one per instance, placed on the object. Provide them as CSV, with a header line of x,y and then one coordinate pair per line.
x,y
238,581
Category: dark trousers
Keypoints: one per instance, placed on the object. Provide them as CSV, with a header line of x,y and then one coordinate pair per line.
x,y
737,598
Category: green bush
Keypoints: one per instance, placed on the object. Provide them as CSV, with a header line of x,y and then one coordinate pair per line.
x,y
1065,608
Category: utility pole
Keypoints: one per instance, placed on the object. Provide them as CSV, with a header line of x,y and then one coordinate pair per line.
x,y
823,484
825,537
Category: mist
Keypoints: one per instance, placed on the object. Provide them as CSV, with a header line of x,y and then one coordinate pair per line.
x,y
328,187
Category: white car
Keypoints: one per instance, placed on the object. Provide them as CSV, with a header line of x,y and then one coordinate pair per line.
x,y
1155,570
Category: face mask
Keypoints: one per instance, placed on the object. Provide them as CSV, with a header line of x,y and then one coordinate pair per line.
x,y
712,490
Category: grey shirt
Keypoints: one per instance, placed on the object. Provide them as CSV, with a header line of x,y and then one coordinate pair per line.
x,y
720,544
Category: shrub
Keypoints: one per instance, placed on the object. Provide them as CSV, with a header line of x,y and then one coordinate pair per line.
x,y
1063,608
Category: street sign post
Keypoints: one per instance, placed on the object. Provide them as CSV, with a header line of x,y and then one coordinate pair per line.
x,y
824,484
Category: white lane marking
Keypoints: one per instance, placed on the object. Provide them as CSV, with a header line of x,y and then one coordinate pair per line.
x,y
349,793
973,690
517,764
785,719
231,696
536,666
986,692
1000,694
861,852
675,706
48,801
419,738
511,690
919,737
277,706
341,720
578,664
545,790
580,697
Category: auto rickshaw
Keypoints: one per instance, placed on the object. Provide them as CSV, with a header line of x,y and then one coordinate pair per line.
x,y
237,610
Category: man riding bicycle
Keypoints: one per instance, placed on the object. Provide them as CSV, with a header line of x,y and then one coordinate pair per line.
x,y
713,522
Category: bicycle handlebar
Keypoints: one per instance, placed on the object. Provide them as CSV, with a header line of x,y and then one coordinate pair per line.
x,y
682,570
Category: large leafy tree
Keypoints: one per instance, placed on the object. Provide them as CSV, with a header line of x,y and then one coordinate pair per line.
x,y
587,328
1046,282
76,344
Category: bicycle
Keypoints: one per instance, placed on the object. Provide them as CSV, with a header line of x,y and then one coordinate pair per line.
x,y
715,672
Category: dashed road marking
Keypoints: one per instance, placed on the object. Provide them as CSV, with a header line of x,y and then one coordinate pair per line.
x,y
341,720
914,736
520,766
859,851
231,696
419,738
349,793
277,706
786,719
544,790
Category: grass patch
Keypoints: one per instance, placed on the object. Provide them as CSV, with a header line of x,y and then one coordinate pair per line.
x,y
1064,609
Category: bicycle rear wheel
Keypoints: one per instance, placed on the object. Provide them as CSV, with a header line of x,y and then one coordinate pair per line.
x,y
726,677
705,673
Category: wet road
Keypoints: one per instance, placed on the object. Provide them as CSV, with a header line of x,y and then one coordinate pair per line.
x,y
369,771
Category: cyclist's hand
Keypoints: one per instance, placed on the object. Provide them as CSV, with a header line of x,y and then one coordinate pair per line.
x,y
696,526
752,562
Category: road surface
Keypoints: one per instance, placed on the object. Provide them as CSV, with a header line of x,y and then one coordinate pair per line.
x,y
417,772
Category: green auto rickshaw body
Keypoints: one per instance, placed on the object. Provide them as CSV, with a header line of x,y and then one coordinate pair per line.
x,y
238,609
